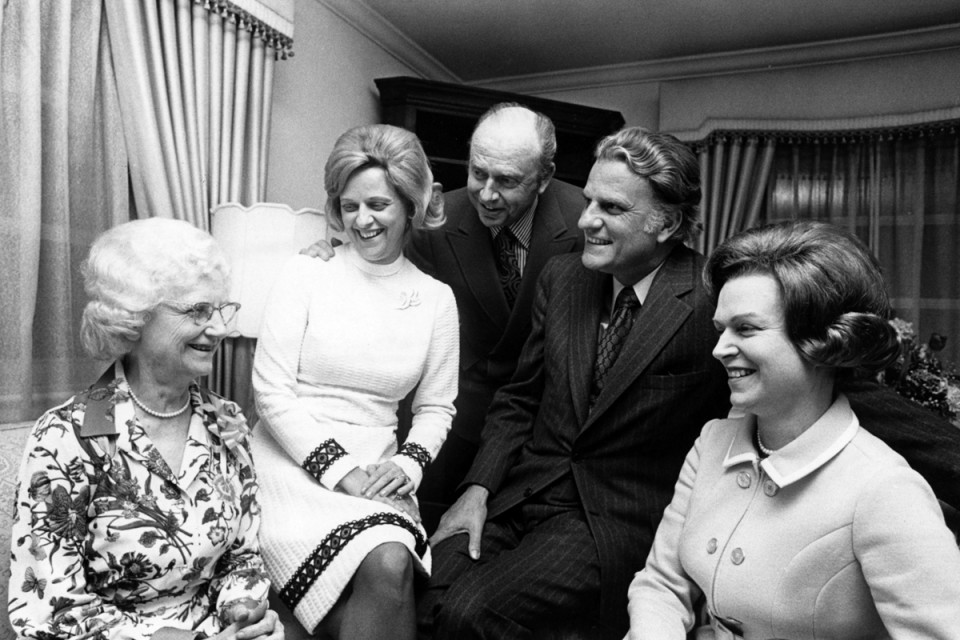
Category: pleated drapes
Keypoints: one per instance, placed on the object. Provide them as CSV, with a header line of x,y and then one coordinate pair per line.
x,y
167,101
63,180
897,189
195,89
734,171
899,192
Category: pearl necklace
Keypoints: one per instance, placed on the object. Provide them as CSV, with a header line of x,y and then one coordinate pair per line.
x,y
159,414
765,450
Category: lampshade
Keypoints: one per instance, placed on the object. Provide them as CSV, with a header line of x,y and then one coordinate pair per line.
x,y
258,240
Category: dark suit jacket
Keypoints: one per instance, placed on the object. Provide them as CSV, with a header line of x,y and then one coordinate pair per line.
x,y
930,444
626,454
461,255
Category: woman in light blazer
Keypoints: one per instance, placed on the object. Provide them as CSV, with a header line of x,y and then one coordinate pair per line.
x,y
792,521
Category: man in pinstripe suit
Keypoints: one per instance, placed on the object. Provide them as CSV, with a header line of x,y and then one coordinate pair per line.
x,y
564,497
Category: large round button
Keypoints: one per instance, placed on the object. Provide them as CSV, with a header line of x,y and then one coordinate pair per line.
x,y
712,545
736,556
744,480
527,492
770,488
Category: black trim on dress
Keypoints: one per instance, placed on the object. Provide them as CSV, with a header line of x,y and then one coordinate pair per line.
x,y
416,453
320,459
328,549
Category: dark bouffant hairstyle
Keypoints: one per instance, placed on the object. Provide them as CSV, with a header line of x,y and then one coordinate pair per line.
x,y
834,297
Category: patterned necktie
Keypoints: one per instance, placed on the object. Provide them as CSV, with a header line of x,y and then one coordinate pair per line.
x,y
508,265
613,337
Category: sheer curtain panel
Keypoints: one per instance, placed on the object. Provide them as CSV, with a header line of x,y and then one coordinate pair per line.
x,y
63,181
195,83
898,191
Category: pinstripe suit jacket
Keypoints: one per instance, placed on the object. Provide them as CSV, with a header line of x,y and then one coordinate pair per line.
x,y
626,453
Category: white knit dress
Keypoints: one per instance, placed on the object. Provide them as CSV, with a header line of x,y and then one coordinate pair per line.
x,y
342,343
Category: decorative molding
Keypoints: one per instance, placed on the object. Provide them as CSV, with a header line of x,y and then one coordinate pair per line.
x,y
857,124
746,61
374,27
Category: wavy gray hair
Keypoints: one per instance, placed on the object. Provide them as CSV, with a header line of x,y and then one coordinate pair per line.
x,y
135,266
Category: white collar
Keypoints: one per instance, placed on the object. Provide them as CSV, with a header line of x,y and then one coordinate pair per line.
x,y
641,288
806,453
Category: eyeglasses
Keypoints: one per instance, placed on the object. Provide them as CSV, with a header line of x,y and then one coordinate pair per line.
x,y
202,312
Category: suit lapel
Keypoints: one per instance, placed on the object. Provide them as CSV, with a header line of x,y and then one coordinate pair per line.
x,y
549,237
586,301
473,250
662,314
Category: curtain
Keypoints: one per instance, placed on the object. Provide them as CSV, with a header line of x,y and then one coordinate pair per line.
x,y
195,84
734,171
898,191
63,181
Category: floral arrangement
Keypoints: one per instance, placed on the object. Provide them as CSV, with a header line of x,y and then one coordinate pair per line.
x,y
918,374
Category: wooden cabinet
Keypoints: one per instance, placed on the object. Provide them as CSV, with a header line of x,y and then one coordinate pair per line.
x,y
443,116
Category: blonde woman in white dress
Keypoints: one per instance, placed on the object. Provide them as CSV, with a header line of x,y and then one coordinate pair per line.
x,y
343,341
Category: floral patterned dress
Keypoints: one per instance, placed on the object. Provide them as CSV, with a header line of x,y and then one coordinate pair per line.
x,y
109,543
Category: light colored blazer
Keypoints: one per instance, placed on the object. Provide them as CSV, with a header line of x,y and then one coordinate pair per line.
x,y
832,536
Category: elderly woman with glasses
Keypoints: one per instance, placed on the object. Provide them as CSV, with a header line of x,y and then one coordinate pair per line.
x,y
137,512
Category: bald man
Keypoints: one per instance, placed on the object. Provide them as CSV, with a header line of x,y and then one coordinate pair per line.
x,y
510,190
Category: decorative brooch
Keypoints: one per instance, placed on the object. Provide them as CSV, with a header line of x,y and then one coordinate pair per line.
x,y
409,299
230,426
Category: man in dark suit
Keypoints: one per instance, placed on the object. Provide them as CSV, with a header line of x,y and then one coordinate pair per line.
x,y
580,452
510,196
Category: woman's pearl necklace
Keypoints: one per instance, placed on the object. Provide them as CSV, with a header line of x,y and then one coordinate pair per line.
x,y
765,450
160,414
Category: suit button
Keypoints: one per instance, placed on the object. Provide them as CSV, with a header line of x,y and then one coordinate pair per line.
x,y
712,545
736,556
527,492
770,488
743,480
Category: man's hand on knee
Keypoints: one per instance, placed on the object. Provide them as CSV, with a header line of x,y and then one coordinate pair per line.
x,y
319,249
466,515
